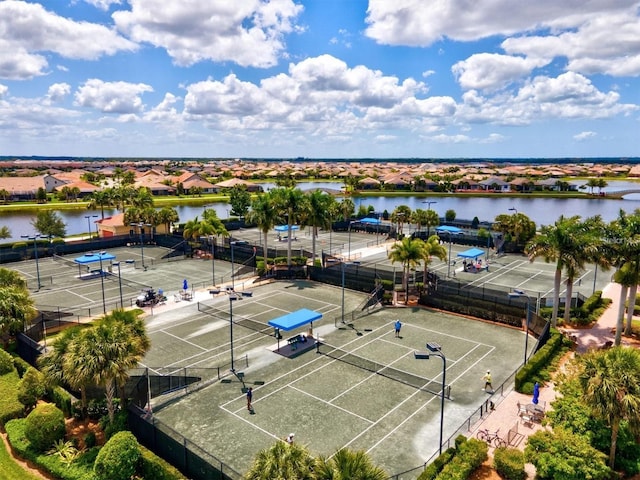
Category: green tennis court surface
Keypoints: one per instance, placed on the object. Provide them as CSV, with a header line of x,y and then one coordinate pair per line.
x,y
377,398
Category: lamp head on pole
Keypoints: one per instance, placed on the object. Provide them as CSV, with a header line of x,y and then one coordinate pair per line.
x,y
433,347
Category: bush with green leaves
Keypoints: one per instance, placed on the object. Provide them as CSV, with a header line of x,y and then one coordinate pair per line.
x,y
152,466
31,388
118,459
21,365
10,407
434,468
468,458
6,362
509,463
44,426
563,454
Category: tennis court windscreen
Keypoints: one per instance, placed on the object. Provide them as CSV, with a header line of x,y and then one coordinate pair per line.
x,y
411,379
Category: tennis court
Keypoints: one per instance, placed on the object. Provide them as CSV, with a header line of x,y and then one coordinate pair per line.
x,y
363,389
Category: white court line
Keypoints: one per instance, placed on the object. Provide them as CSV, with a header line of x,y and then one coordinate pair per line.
x,y
331,404
183,340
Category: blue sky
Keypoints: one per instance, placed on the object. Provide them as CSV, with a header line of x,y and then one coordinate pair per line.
x,y
320,78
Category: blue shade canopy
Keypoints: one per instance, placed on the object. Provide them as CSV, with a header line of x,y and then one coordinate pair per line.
x,y
449,229
93,258
471,253
372,220
295,319
285,228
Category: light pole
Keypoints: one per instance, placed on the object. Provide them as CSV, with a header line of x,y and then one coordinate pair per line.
x,y
140,225
232,244
520,293
343,265
35,253
449,262
232,297
89,217
349,256
436,349
117,264
514,209
104,304
213,263
429,203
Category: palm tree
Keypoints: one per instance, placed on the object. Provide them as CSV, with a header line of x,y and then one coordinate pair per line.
x,y
347,464
282,461
555,243
432,248
347,207
400,215
292,204
610,381
60,367
318,215
142,198
623,248
409,251
265,215
16,305
106,352
167,216
585,248
194,229
5,232
100,199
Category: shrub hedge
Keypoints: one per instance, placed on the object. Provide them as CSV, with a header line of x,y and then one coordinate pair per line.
x,y
44,426
152,466
31,388
468,458
10,407
6,362
118,458
538,362
509,463
80,469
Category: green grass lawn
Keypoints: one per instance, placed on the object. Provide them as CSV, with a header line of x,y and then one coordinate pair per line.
x,y
10,470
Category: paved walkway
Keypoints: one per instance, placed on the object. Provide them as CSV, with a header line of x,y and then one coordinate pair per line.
x,y
505,418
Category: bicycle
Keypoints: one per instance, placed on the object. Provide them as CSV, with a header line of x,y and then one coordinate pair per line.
x,y
491,438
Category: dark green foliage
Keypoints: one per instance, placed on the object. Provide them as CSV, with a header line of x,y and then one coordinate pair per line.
x,y
571,413
119,424
62,399
31,388
459,440
21,365
6,362
79,469
261,267
387,285
530,373
433,469
468,458
563,454
154,467
44,426
118,458
509,463
90,440
10,407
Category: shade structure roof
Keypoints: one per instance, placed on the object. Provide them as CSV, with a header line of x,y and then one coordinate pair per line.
x,y
370,220
295,319
448,228
285,228
471,253
93,257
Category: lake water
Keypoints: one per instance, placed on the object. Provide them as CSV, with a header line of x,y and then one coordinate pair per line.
x,y
543,211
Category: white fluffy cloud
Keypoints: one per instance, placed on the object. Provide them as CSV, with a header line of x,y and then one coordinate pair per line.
x,y
28,28
248,33
112,97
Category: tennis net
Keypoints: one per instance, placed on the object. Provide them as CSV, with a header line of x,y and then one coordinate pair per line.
x,y
415,381
237,319
64,261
